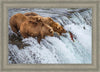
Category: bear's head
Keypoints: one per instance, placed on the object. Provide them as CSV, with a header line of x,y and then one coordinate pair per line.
x,y
47,30
61,30
58,28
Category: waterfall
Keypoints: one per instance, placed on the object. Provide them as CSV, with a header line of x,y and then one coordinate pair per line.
x,y
57,49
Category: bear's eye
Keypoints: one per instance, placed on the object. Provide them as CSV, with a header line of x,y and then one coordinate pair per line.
x,y
35,22
42,24
31,22
57,27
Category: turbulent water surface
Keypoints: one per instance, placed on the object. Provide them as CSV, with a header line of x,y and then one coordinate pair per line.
x,y
56,49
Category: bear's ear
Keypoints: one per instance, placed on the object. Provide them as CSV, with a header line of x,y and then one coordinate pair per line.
x,y
57,23
50,18
58,27
38,19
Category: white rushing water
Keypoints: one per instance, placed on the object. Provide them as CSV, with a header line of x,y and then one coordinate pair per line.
x,y
57,49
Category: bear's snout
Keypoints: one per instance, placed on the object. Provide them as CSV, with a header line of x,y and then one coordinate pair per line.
x,y
64,31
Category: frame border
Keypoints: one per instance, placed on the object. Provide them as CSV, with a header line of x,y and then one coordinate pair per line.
x,y
97,21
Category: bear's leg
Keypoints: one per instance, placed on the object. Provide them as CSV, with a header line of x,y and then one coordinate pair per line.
x,y
39,38
18,33
58,33
24,35
14,29
43,36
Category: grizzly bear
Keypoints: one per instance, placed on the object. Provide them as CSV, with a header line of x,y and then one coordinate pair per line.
x,y
35,29
56,27
16,20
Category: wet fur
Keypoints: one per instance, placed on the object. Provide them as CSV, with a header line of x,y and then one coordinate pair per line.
x,y
56,26
39,30
15,22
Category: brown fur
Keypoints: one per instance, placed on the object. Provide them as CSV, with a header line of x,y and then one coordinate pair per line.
x,y
30,14
56,27
15,22
39,30
34,18
47,20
